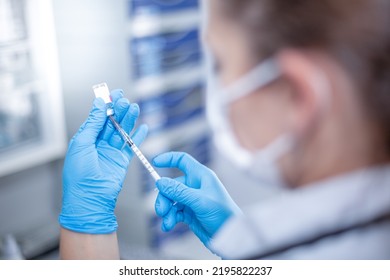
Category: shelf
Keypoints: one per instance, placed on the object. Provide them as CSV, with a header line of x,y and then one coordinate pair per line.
x,y
180,134
15,46
138,7
154,85
149,25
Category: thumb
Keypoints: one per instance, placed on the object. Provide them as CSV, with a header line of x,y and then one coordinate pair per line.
x,y
177,191
95,122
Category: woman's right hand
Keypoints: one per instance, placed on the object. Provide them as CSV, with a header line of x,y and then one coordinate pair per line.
x,y
202,202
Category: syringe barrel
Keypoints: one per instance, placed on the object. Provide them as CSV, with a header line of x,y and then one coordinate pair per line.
x,y
146,163
103,92
155,176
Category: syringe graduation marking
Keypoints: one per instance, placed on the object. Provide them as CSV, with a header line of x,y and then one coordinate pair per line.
x,y
135,149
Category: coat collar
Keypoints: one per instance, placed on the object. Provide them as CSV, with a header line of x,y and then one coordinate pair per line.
x,y
303,214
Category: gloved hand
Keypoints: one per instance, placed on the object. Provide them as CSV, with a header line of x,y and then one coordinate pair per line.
x,y
202,201
95,168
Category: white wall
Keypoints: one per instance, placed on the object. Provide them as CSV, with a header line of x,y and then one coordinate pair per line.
x,y
92,49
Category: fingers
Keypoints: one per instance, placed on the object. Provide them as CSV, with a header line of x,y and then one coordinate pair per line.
x,y
127,123
176,191
169,220
183,161
121,107
163,205
185,216
138,138
176,215
89,131
130,118
116,94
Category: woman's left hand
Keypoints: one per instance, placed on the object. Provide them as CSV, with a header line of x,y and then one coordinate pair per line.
x,y
95,168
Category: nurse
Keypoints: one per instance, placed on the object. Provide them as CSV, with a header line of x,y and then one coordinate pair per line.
x,y
301,102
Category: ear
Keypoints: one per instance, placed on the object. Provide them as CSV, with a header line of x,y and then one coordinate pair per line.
x,y
310,88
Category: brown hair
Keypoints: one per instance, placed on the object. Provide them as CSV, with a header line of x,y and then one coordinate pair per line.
x,y
355,32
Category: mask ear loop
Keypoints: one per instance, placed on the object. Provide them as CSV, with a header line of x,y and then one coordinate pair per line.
x,y
259,77
276,149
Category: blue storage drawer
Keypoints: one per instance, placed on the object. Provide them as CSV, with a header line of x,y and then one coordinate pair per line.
x,y
160,6
166,42
156,65
166,52
172,108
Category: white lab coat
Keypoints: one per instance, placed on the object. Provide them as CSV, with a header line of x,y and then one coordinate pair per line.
x,y
346,217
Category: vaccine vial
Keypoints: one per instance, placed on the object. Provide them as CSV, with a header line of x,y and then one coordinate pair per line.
x,y
102,91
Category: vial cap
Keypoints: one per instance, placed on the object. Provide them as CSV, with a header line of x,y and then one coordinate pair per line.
x,y
102,91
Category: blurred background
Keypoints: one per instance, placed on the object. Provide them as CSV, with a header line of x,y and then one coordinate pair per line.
x,y
51,53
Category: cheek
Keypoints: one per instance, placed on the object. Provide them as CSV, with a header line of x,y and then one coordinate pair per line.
x,y
256,121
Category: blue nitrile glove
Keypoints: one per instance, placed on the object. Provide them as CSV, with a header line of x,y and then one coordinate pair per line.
x,y
95,168
202,201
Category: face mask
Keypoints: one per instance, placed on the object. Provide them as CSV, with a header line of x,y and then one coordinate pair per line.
x,y
261,164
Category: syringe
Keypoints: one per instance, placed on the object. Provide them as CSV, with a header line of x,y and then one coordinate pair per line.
x,y
135,149
102,91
